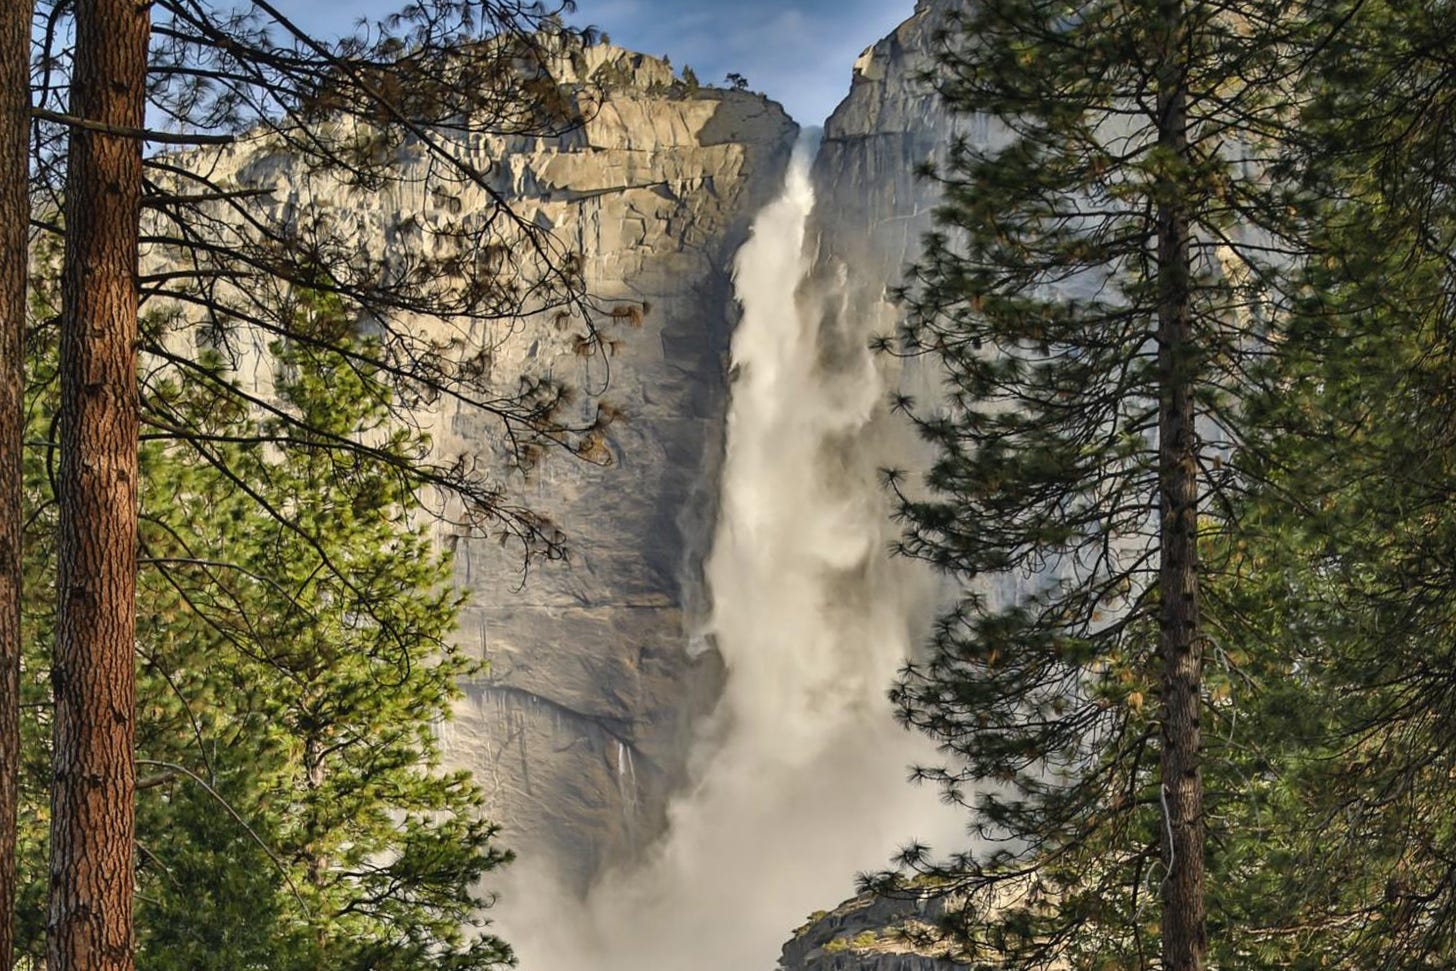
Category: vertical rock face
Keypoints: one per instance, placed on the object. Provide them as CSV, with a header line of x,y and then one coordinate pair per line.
x,y
872,207
580,727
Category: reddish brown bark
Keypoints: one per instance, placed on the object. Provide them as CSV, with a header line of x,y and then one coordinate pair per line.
x,y
92,825
1184,926
14,235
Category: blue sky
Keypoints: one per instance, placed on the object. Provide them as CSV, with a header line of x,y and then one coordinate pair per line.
x,y
799,52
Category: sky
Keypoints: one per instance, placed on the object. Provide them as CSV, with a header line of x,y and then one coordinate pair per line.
x,y
798,52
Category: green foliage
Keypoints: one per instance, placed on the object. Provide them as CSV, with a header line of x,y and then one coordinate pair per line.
x,y
614,74
1040,297
1345,581
1321,204
294,668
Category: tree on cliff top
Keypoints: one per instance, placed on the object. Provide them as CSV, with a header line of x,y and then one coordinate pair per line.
x,y
1093,294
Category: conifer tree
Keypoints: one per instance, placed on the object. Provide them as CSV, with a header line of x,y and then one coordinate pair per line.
x,y
92,673
14,248
1093,294
325,719
432,77
293,675
1345,578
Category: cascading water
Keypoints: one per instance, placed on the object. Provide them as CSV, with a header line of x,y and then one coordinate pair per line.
x,y
799,778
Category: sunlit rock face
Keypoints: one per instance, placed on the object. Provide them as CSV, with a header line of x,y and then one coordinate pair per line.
x,y
581,726
868,934
873,207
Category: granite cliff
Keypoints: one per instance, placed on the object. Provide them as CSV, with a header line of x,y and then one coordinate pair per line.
x,y
585,725
580,725
582,728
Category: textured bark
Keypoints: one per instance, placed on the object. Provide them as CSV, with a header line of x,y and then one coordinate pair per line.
x,y
92,824
1184,927
14,234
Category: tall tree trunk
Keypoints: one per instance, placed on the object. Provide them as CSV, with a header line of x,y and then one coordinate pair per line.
x,y
14,266
1185,935
93,818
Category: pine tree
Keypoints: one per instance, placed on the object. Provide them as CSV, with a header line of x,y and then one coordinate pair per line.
x,y
1346,578
92,672
467,67
14,269
333,709
294,671
1093,295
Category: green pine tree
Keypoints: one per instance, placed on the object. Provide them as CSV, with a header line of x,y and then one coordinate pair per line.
x,y
294,668
1346,576
1100,281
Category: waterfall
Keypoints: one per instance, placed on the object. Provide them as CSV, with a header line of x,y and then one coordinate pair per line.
x,y
798,780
